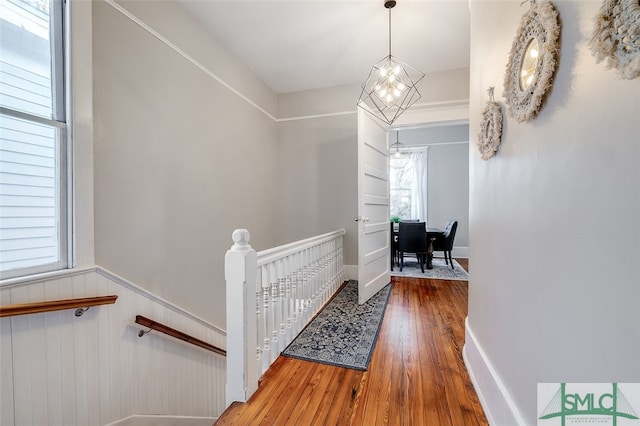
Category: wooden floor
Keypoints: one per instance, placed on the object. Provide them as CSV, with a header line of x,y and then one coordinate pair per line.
x,y
416,376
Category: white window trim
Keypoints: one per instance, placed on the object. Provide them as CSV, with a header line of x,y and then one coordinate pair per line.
x,y
79,155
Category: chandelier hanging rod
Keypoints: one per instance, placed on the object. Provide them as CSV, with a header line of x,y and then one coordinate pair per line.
x,y
390,4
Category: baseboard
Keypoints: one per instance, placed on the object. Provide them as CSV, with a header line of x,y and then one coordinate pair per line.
x,y
495,399
462,252
158,420
457,252
350,272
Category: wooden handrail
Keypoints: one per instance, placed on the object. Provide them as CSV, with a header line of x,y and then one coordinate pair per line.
x,y
56,305
154,325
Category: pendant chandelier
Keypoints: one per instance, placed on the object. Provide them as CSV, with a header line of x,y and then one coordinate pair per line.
x,y
395,147
391,87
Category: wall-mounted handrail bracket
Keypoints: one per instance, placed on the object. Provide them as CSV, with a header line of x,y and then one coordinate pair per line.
x,y
143,332
154,325
80,311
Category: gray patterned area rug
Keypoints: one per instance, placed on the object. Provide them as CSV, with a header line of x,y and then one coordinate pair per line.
x,y
440,270
344,333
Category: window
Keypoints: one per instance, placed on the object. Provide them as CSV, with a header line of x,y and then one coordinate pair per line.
x,y
408,185
401,186
33,138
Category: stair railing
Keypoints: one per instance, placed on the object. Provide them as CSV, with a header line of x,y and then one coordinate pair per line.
x,y
271,296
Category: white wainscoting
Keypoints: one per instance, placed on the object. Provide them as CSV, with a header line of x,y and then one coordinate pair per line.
x,y
59,369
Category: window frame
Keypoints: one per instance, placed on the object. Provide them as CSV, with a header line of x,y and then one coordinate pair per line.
x,y
400,189
59,121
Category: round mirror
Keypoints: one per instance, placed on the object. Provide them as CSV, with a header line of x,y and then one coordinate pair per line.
x,y
532,61
529,63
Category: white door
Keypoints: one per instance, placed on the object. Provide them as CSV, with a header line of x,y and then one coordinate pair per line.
x,y
374,255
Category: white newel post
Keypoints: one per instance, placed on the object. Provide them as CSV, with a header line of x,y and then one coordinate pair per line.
x,y
240,265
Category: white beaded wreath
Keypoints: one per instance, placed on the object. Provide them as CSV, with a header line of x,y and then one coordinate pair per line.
x,y
490,134
541,23
616,37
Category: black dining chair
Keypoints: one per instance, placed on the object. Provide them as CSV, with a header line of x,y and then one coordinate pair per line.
x,y
412,239
393,244
444,243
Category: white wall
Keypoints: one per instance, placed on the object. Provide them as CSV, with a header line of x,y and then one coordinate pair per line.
x,y
317,180
554,233
448,190
180,159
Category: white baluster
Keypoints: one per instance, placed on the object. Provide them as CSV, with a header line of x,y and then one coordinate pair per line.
x,y
337,264
325,272
320,299
301,289
334,267
266,315
275,312
282,304
341,263
287,299
259,319
295,326
305,285
310,284
316,281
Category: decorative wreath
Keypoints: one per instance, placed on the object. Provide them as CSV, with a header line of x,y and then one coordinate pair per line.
x,y
540,24
490,134
616,37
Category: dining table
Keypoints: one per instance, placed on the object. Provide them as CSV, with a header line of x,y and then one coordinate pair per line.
x,y
431,235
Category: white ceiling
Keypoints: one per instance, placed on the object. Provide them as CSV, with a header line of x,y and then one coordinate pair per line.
x,y
308,44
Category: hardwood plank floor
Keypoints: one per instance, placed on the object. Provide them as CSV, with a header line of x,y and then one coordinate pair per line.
x,y
416,376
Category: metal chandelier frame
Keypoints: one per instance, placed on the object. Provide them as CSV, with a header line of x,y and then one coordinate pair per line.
x,y
392,85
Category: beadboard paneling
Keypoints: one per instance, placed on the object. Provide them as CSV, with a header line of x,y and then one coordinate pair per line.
x,y
94,369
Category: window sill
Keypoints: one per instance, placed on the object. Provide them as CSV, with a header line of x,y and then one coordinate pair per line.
x,y
46,276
